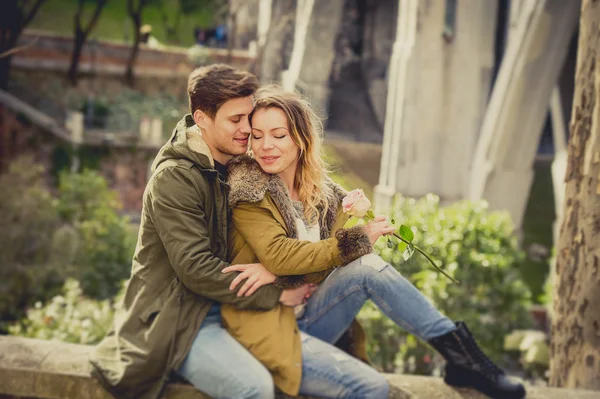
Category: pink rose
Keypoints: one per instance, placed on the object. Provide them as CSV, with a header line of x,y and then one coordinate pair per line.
x,y
356,203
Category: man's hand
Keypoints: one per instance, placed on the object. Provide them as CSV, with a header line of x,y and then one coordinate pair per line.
x,y
256,276
297,296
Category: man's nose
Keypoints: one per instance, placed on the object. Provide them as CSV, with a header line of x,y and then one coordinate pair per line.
x,y
245,126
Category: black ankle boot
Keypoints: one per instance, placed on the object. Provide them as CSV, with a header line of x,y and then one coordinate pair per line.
x,y
468,366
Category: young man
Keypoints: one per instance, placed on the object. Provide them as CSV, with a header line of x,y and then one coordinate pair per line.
x,y
170,317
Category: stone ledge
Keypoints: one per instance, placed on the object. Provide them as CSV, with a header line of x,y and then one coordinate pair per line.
x,y
31,368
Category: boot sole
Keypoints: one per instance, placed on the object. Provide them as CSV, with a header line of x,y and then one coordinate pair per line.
x,y
464,378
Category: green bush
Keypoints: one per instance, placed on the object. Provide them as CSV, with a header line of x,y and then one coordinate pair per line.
x,y
29,218
105,240
476,247
46,238
70,317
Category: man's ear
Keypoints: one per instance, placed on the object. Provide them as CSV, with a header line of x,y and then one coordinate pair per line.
x,y
200,118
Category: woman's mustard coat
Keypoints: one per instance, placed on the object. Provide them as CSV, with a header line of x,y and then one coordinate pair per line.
x,y
264,230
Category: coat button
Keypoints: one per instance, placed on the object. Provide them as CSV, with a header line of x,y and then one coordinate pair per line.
x,y
295,331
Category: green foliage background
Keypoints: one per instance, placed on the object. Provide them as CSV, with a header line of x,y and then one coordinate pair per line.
x,y
476,247
49,236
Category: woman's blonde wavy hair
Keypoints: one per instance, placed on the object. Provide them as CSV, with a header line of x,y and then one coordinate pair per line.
x,y
306,130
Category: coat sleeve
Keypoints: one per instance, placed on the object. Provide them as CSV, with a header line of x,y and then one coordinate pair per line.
x,y
282,255
177,211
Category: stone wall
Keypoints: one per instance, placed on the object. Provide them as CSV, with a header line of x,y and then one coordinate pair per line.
x,y
102,65
126,167
380,31
33,368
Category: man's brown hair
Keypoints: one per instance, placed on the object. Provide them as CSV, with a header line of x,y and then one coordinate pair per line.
x,y
212,86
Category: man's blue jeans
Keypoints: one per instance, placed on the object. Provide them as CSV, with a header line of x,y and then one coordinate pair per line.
x,y
222,368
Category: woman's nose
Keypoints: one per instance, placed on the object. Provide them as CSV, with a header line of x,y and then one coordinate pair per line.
x,y
267,144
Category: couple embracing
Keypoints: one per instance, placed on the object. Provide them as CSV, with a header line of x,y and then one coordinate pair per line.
x,y
245,281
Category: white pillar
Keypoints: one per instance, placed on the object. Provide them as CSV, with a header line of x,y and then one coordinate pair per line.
x,y
439,82
559,164
502,166
264,21
399,69
289,77
316,29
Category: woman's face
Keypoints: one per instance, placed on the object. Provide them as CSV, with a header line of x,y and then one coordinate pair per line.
x,y
272,144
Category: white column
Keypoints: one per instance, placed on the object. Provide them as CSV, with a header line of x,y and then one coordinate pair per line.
x,y
502,171
264,21
559,164
289,77
399,67
439,82
317,26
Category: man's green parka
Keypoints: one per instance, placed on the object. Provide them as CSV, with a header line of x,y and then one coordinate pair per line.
x,y
176,270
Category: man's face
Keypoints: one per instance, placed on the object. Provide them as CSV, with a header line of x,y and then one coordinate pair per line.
x,y
227,134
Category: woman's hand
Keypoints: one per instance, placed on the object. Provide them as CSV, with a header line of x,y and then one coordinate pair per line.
x,y
297,296
256,276
377,228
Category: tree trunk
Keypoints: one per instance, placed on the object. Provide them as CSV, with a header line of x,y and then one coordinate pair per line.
x,y
575,347
129,75
15,17
8,42
5,71
78,42
80,37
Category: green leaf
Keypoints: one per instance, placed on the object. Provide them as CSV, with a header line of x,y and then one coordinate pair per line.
x,y
390,243
406,233
370,215
408,253
392,221
402,246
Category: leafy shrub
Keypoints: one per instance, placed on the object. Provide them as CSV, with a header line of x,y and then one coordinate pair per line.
x,y
105,240
476,247
28,216
45,238
70,317
531,348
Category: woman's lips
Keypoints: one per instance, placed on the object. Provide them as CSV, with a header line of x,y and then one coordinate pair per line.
x,y
269,160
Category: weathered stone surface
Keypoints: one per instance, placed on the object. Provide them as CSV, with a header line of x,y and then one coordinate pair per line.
x,y
439,79
317,23
501,169
378,40
31,368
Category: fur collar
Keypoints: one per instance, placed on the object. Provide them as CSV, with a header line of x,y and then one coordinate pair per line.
x,y
249,183
197,144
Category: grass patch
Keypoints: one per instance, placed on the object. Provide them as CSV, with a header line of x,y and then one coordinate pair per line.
x,y
114,23
342,175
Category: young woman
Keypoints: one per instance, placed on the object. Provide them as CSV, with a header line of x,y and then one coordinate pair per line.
x,y
287,215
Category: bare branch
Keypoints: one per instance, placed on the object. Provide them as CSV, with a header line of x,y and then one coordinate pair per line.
x,y
78,15
32,12
15,50
99,6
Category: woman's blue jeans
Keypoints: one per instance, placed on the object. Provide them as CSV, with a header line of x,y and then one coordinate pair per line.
x,y
337,301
